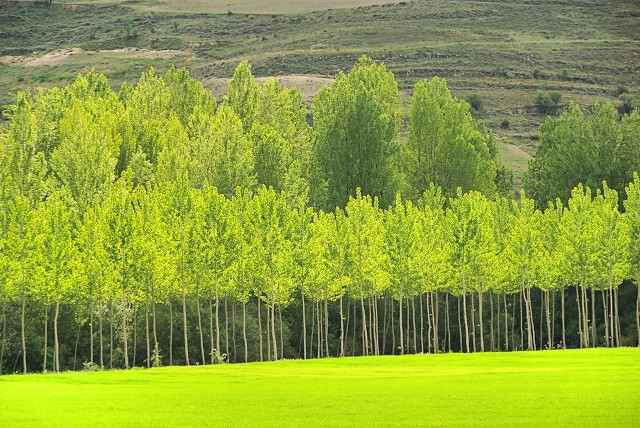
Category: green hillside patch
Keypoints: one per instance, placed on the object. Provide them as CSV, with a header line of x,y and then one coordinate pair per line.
x,y
595,387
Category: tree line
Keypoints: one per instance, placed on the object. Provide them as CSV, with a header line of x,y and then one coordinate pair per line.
x,y
153,226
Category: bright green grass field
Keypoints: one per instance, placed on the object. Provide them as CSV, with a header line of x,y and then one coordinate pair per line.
x,y
599,387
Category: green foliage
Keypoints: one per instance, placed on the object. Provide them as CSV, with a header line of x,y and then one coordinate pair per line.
x,y
157,204
576,149
356,123
627,104
475,100
445,146
547,102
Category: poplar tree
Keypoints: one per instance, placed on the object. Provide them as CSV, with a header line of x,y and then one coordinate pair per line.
x,y
356,123
632,218
444,147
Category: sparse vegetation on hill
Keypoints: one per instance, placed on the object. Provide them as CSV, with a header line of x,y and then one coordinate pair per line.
x,y
506,50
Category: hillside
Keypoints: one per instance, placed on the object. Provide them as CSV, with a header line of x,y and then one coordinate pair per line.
x,y
504,50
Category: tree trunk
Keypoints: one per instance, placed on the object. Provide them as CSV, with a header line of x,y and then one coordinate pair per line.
x,y
464,306
346,330
218,320
448,322
135,334
304,325
91,331
226,326
260,329
24,337
564,331
46,340
318,322
408,330
273,316
513,324
585,316
326,324
156,347
313,328
244,330
75,352
146,330
393,329
233,330
204,359
492,342
480,296
422,322
56,343
605,318
124,329
184,323
365,339
579,306
460,326
617,317
111,315
549,335
473,322
4,335
212,344
400,324
522,294
533,328
498,314
124,311
429,310
341,322
506,322
594,328
413,313
170,332
101,336
434,313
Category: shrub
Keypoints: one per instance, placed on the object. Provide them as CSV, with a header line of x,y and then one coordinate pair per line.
x,y
547,102
505,124
627,103
565,74
555,96
621,89
536,74
475,100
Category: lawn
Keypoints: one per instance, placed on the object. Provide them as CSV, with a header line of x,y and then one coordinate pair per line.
x,y
596,387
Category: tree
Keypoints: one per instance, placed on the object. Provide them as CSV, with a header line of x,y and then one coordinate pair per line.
x,y
632,218
20,240
356,122
610,259
444,147
522,253
57,259
369,260
271,254
574,149
242,95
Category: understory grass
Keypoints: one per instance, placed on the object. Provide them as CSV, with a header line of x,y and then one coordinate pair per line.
x,y
595,387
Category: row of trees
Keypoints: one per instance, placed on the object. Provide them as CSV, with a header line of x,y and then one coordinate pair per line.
x,y
157,200
357,281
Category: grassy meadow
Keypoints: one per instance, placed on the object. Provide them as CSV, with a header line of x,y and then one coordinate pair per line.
x,y
594,387
506,50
